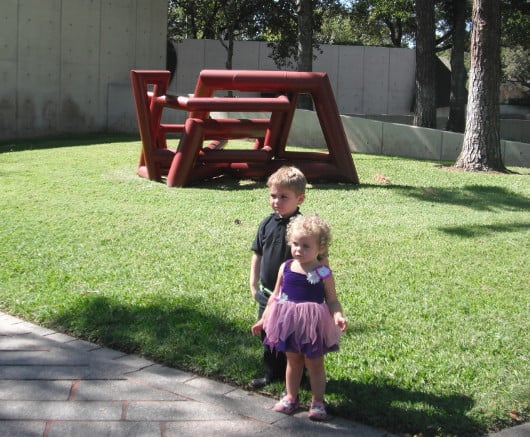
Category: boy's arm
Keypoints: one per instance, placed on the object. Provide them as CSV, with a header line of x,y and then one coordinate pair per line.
x,y
255,265
256,328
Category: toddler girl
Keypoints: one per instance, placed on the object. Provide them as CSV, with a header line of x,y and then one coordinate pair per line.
x,y
303,317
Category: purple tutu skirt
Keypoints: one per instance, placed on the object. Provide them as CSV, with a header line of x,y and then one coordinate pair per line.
x,y
305,327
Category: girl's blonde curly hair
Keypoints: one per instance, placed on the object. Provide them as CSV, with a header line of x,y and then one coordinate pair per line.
x,y
310,225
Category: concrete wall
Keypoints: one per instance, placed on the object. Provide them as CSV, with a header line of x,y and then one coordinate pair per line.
x,y
511,129
390,139
60,60
365,80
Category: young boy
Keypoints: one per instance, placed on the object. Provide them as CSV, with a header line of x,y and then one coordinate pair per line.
x,y
286,193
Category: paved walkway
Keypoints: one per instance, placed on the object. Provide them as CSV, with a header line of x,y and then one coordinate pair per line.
x,y
52,384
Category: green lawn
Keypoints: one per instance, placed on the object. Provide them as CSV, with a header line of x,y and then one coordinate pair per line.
x,y
431,268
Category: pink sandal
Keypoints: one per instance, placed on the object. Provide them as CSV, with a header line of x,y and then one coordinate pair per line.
x,y
317,411
286,406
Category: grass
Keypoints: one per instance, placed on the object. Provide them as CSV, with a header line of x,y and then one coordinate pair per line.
x,y
431,268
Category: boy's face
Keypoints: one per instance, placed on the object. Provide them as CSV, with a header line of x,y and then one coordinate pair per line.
x,y
284,201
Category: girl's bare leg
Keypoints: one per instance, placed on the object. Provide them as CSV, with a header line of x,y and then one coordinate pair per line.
x,y
293,373
317,378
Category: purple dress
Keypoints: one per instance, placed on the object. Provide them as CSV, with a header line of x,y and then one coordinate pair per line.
x,y
299,320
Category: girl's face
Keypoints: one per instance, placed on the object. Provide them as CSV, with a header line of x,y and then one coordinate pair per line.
x,y
304,248
284,201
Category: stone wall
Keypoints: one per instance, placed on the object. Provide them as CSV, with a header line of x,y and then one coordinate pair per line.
x,y
60,58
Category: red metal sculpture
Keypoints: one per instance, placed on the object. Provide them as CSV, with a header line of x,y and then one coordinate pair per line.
x,y
192,161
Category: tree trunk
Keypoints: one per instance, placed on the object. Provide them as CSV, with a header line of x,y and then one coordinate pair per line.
x,y
229,52
425,109
457,102
481,149
304,9
395,31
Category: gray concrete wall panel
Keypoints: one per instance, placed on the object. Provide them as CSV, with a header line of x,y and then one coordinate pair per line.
x,y
8,99
8,67
451,145
265,60
328,61
246,55
516,153
411,141
80,32
118,40
150,36
375,80
9,30
400,81
350,80
306,129
214,55
364,136
80,106
515,130
122,118
117,49
190,61
81,109
38,67
59,57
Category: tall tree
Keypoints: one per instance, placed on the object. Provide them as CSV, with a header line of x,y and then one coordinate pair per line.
x,y
240,19
481,149
304,12
425,108
291,27
457,104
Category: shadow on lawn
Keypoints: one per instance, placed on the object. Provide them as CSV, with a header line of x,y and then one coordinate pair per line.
x,y
472,231
186,336
387,406
477,197
164,330
64,141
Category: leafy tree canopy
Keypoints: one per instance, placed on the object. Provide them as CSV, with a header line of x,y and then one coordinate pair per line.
x,y
515,23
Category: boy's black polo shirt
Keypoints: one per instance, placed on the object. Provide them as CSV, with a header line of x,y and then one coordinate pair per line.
x,y
271,244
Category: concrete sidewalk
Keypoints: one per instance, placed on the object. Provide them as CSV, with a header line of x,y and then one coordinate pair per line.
x,y
52,384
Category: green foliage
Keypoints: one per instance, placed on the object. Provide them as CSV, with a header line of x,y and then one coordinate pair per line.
x,y
516,64
430,267
215,19
375,18
515,17
352,27
282,33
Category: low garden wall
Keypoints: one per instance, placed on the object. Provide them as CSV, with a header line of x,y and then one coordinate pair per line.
x,y
391,139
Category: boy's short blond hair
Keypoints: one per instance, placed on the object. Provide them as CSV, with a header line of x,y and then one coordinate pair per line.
x,y
310,225
288,177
